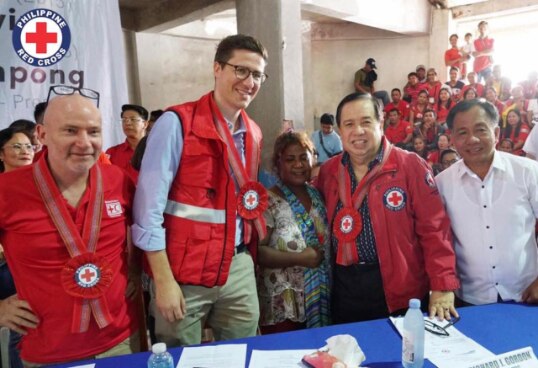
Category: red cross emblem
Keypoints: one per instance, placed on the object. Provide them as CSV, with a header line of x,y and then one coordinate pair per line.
x,y
113,208
395,198
87,275
346,224
251,199
41,38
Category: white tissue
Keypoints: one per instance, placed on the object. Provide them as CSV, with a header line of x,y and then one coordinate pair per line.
x,y
345,348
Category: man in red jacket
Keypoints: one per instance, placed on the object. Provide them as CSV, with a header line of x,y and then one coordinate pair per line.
x,y
390,235
198,206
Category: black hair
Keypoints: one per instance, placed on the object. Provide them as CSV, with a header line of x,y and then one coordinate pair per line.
x,y
507,133
466,105
358,96
39,112
6,135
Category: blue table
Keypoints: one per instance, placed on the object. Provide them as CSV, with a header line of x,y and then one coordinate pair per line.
x,y
498,327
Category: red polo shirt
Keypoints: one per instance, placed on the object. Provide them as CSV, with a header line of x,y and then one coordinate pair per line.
x,y
121,155
396,134
36,255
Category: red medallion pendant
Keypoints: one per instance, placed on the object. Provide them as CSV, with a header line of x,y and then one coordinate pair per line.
x,y
347,224
252,200
86,276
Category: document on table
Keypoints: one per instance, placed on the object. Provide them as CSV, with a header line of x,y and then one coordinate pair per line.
x,y
227,355
455,350
278,358
84,366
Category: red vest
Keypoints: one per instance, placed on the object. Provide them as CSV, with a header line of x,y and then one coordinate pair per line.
x,y
201,210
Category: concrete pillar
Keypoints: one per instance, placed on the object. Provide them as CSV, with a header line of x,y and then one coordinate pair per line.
x,y
277,24
442,27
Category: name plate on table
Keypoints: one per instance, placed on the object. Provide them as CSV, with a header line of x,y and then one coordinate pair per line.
x,y
522,358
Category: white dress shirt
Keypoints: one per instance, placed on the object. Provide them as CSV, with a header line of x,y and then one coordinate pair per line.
x,y
493,222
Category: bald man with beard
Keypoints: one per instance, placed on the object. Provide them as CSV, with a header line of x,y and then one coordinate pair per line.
x,y
63,226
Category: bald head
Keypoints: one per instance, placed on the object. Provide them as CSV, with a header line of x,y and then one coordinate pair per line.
x,y
72,133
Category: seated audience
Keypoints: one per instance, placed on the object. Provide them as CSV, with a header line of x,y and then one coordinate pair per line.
x,y
419,147
429,130
412,88
443,105
478,87
416,112
454,85
398,132
517,101
326,141
491,97
448,158
491,199
530,86
516,131
365,79
502,85
293,274
433,86
470,94
397,102
506,145
443,143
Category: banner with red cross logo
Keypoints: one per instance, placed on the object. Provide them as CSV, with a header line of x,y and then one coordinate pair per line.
x,y
395,199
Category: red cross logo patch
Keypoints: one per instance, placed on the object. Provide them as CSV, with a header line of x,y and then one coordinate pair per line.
x,y
113,208
251,199
346,224
41,37
395,199
87,275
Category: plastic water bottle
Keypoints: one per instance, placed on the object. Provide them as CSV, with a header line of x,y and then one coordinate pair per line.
x,y
413,336
160,357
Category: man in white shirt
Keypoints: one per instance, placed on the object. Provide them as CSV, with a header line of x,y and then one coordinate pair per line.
x,y
492,200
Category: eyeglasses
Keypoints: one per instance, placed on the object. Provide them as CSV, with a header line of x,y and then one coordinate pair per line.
x,y
18,147
435,329
242,72
450,162
62,90
131,120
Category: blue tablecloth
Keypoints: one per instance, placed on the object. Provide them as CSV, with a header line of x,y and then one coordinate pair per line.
x,y
498,327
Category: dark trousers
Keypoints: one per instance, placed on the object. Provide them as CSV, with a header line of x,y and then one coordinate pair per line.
x,y
7,288
358,294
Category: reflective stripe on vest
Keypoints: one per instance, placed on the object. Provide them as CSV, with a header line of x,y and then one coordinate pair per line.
x,y
195,213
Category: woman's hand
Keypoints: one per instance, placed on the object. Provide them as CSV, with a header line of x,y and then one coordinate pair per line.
x,y
311,257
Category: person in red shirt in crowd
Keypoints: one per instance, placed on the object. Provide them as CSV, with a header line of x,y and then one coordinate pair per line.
x,y
519,102
134,121
429,130
412,88
399,132
516,130
416,112
398,103
433,86
73,275
483,52
454,84
419,147
443,143
443,105
502,85
469,94
454,57
478,87
530,86
491,97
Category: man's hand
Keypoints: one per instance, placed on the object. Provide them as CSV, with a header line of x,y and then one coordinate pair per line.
x,y
170,301
530,295
442,305
17,315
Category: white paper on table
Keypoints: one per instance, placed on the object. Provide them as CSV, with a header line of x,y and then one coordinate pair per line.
x,y
278,358
455,350
218,356
84,366
521,358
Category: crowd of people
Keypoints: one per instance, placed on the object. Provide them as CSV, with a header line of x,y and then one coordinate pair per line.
x,y
352,226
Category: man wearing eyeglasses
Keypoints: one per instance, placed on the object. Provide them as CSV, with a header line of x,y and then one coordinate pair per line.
x,y
198,206
134,121
63,226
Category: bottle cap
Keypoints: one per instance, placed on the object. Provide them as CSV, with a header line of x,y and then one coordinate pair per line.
x,y
414,303
158,348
